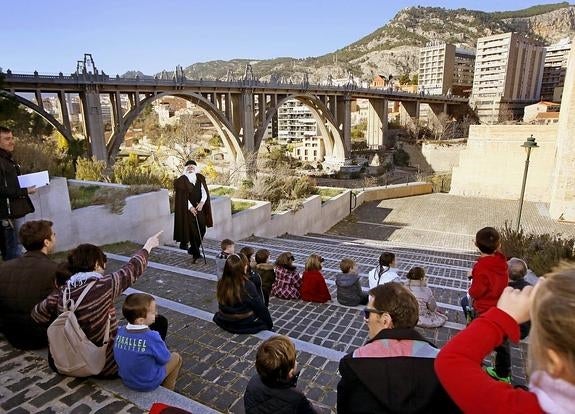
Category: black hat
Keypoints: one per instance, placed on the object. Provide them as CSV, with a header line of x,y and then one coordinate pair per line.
x,y
190,162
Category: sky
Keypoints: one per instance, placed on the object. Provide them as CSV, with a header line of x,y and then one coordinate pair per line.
x,y
146,35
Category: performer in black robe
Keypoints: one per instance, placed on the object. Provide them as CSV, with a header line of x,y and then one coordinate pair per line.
x,y
192,201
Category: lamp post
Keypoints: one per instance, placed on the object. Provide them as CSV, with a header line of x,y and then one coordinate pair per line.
x,y
528,145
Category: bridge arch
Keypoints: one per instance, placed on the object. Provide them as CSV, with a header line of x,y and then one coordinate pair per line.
x,y
218,119
333,142
66,133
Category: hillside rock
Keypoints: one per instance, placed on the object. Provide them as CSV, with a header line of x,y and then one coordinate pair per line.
x,y
393,48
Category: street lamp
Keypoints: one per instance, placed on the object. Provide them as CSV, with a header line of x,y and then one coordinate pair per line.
x,y
528,145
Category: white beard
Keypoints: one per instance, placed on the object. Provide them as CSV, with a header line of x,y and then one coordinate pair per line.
x,y
192,177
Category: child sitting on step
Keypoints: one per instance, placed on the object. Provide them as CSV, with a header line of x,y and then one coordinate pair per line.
x,y
385,272
429,316
144,361
228,248
273,388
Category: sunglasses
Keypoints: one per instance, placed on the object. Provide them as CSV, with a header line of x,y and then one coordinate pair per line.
x,y
367,311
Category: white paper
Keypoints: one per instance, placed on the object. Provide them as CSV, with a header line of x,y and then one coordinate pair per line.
x,y
39,179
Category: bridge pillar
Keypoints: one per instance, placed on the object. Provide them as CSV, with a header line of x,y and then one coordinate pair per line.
x,y
343,108
409,113
94,124
64,110
376,122
433,114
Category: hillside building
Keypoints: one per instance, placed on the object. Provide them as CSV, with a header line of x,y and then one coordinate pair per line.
x,y
555,67
445,69
295,122
508,75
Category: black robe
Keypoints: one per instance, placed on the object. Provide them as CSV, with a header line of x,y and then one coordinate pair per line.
x,y
185,226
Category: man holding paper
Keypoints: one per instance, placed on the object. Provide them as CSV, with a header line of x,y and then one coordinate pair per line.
x,y
14,200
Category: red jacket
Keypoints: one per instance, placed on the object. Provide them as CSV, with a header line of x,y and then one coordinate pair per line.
x,y
489,279
313,287
458,367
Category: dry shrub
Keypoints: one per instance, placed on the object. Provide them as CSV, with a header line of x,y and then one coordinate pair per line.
x,y
542,252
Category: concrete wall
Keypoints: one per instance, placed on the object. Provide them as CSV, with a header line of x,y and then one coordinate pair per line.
x,y
146,214
493,162
442,156
393,191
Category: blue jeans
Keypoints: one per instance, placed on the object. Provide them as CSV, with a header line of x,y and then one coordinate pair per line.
x,y
10,246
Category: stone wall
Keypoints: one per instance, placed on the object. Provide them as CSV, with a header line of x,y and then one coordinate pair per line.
x,y
443,156
493,162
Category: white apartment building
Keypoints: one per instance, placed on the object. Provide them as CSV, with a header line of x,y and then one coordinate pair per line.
x,y
295,122
508,74
554,70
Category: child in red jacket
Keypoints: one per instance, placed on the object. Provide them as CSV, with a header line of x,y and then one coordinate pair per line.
x,y
313,287
551,360
488,279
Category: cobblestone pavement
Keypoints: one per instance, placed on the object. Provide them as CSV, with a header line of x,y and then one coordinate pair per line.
x,y
28,385
217,365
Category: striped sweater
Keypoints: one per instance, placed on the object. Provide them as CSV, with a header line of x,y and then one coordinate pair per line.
x,y
93,312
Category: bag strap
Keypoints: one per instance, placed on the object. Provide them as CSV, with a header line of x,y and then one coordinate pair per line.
x,y
74,304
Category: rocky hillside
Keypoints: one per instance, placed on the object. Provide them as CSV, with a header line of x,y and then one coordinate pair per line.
x,y
393,49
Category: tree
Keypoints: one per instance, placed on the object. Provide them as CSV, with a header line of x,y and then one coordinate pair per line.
x,y
180,140
415,79
404,79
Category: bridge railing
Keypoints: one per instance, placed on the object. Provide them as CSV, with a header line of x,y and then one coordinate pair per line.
x,y
102,78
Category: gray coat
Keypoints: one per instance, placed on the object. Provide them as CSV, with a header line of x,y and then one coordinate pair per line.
x,y
349,291
429,317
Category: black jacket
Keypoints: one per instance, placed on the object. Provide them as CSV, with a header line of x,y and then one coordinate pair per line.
x,y
403,384
246,317
14,201
24,282
276,398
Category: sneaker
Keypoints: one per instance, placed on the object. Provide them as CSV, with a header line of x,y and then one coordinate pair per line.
x,y
491,372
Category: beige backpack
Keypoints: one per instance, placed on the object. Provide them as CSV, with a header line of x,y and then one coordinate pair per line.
x,y
74,354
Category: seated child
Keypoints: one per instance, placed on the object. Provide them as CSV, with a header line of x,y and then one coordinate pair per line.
x,y
228,248
288,280
349,291
429,317
266,272
273,388
144,361
254,276
313,287
385,272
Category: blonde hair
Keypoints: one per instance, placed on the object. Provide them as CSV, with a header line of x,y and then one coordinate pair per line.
x,y
313,262
553,319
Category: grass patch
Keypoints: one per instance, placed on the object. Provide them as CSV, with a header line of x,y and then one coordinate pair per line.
x,y
113,198
328,193
238,206
222,191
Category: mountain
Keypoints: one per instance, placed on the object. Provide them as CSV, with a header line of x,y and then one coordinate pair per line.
x,y
393,48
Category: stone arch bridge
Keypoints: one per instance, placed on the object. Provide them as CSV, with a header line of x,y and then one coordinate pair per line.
x,y
240,110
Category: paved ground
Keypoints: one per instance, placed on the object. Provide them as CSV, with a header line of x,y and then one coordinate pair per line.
x,y
217,365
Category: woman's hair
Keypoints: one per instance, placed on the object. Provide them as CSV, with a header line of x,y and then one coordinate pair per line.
x,y
231,286
83,258
248,251
313,262
286,260
136,306
275,358
553,319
